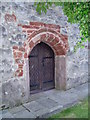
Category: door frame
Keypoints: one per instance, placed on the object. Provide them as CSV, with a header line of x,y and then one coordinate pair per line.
x,y
59,73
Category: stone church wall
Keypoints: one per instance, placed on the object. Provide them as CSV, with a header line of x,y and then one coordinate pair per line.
x,y
13,14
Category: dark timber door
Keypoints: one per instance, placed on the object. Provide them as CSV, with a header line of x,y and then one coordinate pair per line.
x,y
41,62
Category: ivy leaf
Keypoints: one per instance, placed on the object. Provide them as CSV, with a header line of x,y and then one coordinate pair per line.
x,y
38,9
82,46
82,38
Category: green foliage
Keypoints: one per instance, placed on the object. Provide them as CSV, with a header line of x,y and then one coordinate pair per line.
x,y
76,12
42,6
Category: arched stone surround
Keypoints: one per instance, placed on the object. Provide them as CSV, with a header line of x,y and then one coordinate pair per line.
x,y
50,34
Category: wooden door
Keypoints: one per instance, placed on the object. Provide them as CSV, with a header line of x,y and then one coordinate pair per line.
x,y
41,67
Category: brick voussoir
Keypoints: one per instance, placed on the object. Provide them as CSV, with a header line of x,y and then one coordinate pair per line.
x,y
31,44
22,49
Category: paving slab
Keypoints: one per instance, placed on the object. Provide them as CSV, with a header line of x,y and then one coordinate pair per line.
x,y
16,109
41,112
0,115
33,106
64,98
7,114
47,102
24,114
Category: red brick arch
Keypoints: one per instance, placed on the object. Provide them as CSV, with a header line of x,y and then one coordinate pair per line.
x,y
39,32
56,41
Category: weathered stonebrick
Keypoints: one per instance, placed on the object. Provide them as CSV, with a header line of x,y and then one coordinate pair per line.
x,y
31,44
20,66
43,36
51,36
58,46
25,26
19,61
54,42
20,73
22,49
34,27
17,72
60,52
37,23
25,55
15,47
52,26
30,31
24,44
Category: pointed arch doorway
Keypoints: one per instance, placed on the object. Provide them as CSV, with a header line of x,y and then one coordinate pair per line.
x,y
41,68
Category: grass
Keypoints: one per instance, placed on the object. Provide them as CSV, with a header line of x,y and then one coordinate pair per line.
x,y
78,111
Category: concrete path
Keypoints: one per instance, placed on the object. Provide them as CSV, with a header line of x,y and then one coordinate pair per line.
x,y
47,103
